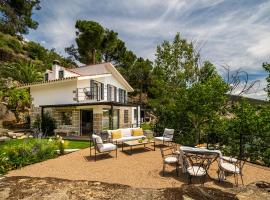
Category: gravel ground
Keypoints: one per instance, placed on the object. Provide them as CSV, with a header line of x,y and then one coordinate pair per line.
x,y
143,169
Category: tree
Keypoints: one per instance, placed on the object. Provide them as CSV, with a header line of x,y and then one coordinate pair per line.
x,y
38,53
140,75
96,44
16,16
89,39
184,94
266,66
18,101
21,72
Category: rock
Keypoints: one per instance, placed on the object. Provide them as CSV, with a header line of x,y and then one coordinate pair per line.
x,y
15,135
4,193
4,139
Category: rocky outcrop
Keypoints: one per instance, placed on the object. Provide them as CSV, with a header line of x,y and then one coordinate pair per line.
x,y
52,188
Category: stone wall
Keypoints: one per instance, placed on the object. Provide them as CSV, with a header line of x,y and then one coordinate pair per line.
x,y
34,112
75,120
97,122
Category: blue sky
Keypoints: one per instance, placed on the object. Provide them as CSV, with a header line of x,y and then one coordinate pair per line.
x,y
227,32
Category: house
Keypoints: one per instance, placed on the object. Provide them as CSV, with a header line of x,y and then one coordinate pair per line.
x,y
84,100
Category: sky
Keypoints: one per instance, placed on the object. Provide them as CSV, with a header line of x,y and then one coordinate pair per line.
x,y
232,33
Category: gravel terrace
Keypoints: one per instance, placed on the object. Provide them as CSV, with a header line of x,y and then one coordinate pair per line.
x,y
143,169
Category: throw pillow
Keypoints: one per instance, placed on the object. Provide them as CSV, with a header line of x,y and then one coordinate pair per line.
x,y
137,132
116,134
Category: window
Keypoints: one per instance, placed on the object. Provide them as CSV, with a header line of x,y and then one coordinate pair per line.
x,y
61,74
135,114
122,96
125,116
66,117
116,119
46,77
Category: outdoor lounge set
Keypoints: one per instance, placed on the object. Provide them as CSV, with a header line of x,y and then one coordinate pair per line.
x,y
195,162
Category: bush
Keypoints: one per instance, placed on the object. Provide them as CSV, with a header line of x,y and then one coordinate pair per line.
x,y
47,125
29,152
146,126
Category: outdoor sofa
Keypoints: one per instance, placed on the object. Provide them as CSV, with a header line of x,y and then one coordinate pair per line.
x,y
126,135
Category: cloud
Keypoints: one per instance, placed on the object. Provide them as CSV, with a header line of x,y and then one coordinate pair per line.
x,y
234,33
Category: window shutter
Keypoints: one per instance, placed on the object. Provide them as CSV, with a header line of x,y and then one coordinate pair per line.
x,y
109,93
119,95
102,91
125,96
46,77
115,93
92,88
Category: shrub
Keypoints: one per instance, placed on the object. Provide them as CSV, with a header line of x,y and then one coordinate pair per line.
x,y
29,152
146,126
47,125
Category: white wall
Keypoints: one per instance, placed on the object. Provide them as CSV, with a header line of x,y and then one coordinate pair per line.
x,y
53,94
105,80
62,92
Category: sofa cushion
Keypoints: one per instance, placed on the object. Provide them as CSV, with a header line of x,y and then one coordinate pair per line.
x,y
137,132
130,138
166,139
116,134
98,140
126,132
107,147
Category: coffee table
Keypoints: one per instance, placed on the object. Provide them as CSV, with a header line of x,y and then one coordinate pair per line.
x,y
133,143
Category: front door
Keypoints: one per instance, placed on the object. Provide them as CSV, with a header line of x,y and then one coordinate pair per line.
x,y
86,122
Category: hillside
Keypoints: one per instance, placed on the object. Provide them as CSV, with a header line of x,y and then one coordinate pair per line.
x,y
13,49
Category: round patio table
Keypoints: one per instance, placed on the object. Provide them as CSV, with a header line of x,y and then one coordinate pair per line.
x,y
201,151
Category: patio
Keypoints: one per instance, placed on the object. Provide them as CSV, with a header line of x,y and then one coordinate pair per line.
x,y
142,170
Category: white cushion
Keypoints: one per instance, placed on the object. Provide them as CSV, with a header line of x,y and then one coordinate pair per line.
x,y
98,140
196,171
171,159
166,139
229,159
107,147
126,132
230,167
168,133
124,139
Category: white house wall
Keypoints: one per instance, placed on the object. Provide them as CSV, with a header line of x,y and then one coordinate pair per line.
x,y
53,94
105,80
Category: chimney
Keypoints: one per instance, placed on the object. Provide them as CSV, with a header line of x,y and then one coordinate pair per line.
x,y
55,69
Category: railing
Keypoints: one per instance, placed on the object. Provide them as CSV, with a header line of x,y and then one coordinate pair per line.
x,y
99,93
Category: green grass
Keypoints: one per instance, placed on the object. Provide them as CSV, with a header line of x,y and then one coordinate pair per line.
x,y
72,144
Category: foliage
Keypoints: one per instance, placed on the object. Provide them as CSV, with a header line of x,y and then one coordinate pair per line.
x,y
248,133
146,126
26,153
18,101
46,125
21,72
266,66
37,52
16,16
140,74
11,42
184,95
94,44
